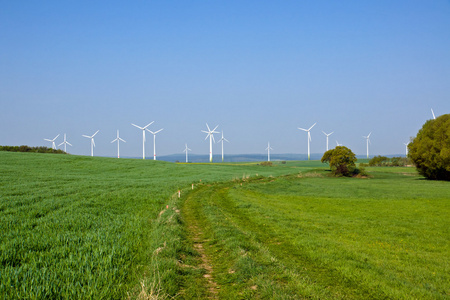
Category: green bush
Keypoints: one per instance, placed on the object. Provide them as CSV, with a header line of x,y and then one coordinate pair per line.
x,y
342,161
430,149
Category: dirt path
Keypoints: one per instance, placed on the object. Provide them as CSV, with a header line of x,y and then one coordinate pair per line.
x,y
198,239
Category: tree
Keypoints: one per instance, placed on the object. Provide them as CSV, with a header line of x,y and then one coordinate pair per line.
x,y
342,161
430,149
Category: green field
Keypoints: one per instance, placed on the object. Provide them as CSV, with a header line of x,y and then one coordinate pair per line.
x,y
83,227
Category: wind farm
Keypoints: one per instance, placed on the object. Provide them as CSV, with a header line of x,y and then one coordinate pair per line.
x,y
271,209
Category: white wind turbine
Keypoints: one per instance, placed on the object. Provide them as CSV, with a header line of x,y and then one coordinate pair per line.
x,y
368,141
327,137
268,151
406,146
154,141
337,144
92,141
186,149
432,112
309,137
118,140
65,143
211,138
143,136
222,140
53,141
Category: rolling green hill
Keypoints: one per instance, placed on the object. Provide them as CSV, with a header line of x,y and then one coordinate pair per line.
x,y
91,227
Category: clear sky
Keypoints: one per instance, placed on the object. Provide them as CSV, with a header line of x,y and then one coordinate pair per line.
x,y
258,69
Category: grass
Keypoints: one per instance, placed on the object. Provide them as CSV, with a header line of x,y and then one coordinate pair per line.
x,y
83,227
290,238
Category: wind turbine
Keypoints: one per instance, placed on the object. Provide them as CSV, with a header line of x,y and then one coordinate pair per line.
x,y
118,140
268,151
53,141
186,150
143,136
211,138
154,141
92,141
327,137
406,146
65,143
434,117
368,141
309,136
337,144
222,140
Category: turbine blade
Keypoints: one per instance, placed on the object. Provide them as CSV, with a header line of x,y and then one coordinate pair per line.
x,y
137,126
434,117
209,130
86,136
158,131
148,124
68,143
56,137
95,133
122,140
114,141
48,140
302,129
61,144
215,128
312,126
93,143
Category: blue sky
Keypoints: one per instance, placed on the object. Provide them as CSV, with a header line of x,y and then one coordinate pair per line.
x,y
258,69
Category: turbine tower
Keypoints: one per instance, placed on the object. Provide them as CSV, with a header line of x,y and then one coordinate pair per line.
x,y
118,140
53,141
143,136
268,151
309,137
92,141
154,141
406,146
186,149
65,143
211,138
368,141
327,137
222,140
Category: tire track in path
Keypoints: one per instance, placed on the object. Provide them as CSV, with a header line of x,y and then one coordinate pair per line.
x,y
198,239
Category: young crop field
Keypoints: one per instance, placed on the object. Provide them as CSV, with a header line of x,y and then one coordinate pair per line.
x,y
103,228
83,227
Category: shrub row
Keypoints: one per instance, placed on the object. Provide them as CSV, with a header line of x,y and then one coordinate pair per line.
x,y
25,148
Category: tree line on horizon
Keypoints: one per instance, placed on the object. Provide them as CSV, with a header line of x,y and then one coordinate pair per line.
x,y
24,148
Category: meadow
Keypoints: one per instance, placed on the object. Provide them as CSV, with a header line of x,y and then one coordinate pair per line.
x,y
103,228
